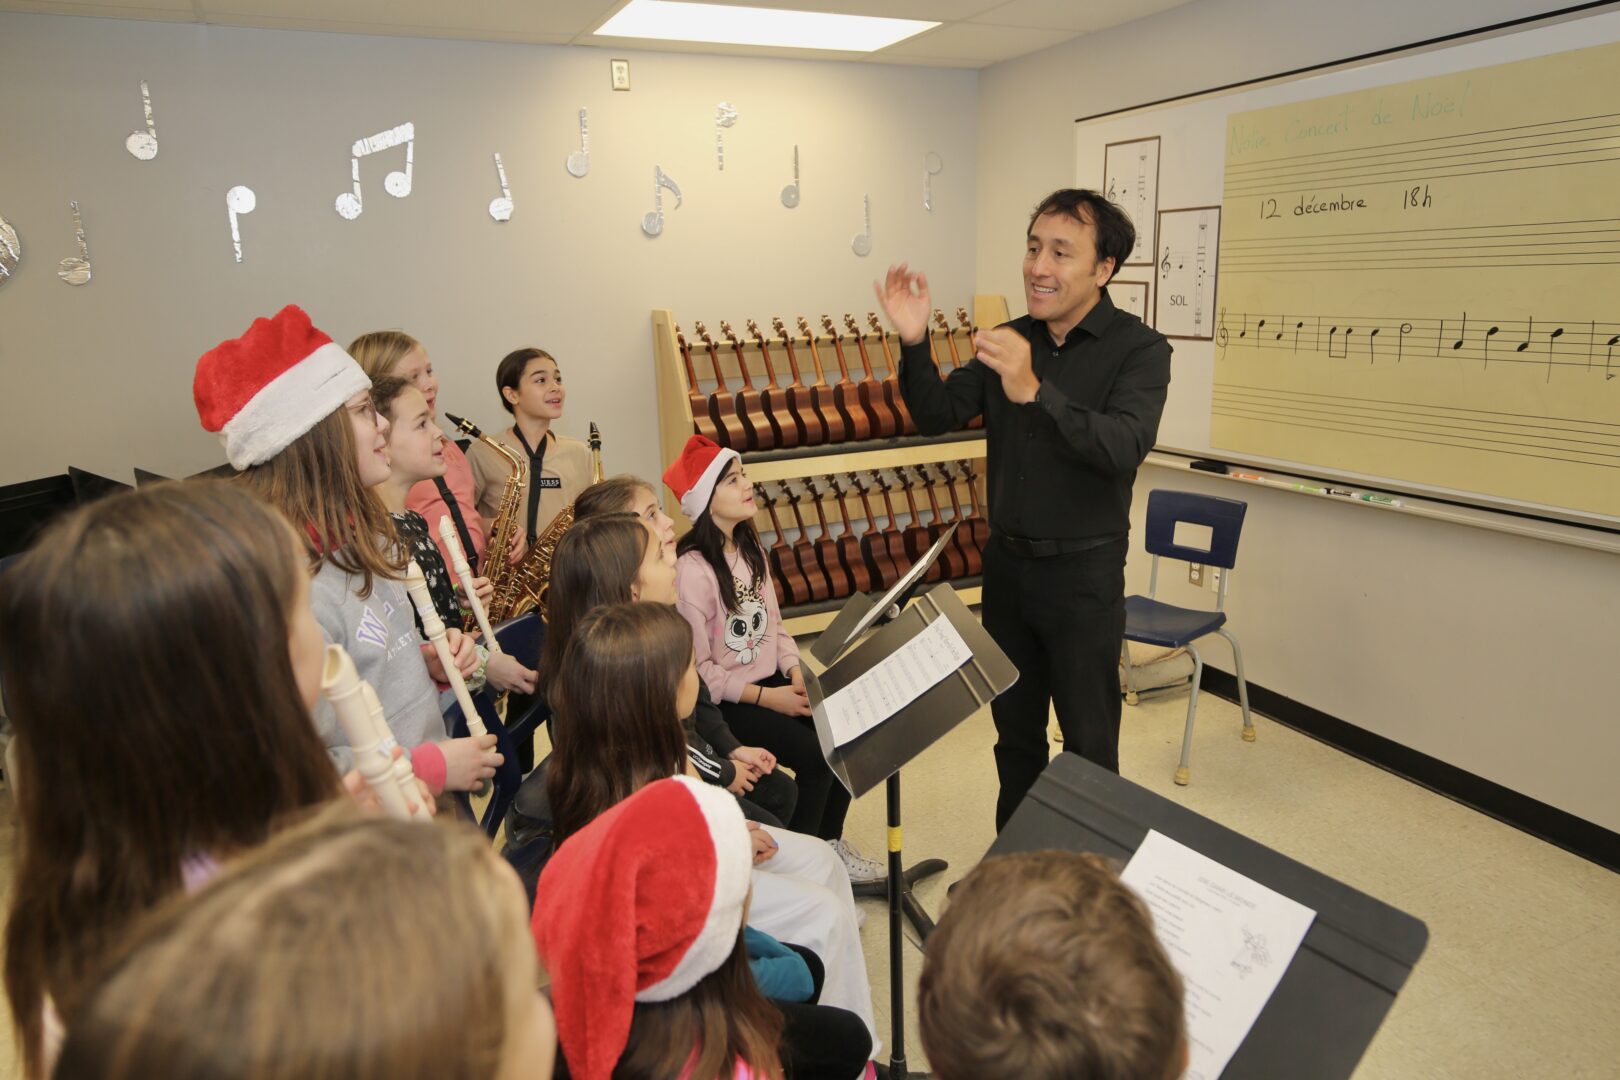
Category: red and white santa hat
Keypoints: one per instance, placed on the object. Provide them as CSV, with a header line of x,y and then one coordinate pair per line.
x,y
639,905
262,391
695,473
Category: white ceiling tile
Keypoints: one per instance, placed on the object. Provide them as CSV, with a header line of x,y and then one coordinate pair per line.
x,y
1084,16
973,41
166,10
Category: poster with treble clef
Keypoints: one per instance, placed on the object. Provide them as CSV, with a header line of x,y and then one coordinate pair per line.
x,y
1131,179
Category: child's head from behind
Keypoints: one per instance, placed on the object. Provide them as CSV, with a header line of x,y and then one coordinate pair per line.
x,y
1045,967
638,918
615,724
415,443
298,947
182,727
530,384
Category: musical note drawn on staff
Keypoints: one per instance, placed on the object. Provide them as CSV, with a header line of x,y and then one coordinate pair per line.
x,y
1572,345
350,204
239,200
143,145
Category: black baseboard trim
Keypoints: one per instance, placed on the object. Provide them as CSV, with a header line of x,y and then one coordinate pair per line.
x,y
1574,834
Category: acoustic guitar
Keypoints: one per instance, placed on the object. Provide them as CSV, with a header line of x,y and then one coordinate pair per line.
x,y
893,535
891,381
839,579
874,546
722,403
952,558
792,587
801,398
978,524
846,400
919,537
964,532
805,552
696,400
967,345
784,421
750,404
849,546
822,393
867,389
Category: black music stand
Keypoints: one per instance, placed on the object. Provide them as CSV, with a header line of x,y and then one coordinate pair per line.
x,y
1354,959
878,754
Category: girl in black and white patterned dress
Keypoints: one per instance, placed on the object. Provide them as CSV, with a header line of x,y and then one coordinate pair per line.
x,y
416,453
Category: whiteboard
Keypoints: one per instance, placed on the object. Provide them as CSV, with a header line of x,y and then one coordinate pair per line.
x,y
1193,137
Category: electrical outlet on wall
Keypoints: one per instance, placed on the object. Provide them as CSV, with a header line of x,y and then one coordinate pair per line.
x,y
1195,573
621,74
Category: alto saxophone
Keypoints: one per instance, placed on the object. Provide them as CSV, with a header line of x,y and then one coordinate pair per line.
x,y
521,588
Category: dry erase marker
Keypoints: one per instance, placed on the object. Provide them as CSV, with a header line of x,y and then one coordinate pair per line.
x,y
1309,488
1248,476
1381,500
1343,492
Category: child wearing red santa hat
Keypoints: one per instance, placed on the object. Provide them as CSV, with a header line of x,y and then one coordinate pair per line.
x,y
749,663
294,412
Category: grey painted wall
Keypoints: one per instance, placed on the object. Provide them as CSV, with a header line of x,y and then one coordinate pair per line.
x,y
1492,652
100,376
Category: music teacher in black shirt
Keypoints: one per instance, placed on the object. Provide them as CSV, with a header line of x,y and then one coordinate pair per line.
x,y
1071,396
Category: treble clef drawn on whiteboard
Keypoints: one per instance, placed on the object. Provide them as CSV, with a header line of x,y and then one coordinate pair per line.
x,y
143,144
1221,335
652,222
397,184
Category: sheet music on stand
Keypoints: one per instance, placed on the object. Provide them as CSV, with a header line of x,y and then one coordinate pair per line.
x,y
896,681
836,638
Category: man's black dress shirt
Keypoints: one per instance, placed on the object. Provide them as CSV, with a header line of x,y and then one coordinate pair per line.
x,y
1061,467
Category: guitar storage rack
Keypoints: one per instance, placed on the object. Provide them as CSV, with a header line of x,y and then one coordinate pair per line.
x,y
745,387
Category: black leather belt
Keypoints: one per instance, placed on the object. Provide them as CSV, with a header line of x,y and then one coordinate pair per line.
x,y
1043,549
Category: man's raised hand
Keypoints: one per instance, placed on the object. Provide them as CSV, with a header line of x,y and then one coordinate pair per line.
x,y
907,310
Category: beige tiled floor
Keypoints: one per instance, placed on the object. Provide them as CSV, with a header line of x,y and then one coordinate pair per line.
x,y
1521,978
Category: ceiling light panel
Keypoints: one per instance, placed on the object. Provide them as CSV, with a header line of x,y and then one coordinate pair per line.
x,y
670,20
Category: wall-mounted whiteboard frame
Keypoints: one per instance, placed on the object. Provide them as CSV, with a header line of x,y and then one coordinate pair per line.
x,y
1192,132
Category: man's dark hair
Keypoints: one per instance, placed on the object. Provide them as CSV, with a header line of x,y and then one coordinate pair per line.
x,y
1116,236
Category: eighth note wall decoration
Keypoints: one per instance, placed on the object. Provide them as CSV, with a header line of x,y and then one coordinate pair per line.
x,y
397,184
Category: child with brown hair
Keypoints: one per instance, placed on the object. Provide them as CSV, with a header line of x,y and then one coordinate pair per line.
x,y
417,452
531,388
295,414
1045,967
291,965
192,743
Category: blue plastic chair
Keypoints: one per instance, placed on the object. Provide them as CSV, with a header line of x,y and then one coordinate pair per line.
x,y
504,785
1156,623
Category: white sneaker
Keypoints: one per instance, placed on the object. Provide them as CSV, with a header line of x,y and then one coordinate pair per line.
x,y
861,870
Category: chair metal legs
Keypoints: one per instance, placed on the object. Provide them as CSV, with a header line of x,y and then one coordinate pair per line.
x,y
1131,696
1243,684
1182,775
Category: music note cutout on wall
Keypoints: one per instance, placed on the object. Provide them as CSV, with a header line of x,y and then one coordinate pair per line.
x,y
397,184
579,162
862,244
239,200
76,270
143,144
500,208
790,192
652,222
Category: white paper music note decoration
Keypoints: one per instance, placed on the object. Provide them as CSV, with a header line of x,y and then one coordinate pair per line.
x,y
10,250
76,270
790,192
143,144
862,244
652,222
725,115
239,200
579,162
501,208
933,165
397,184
